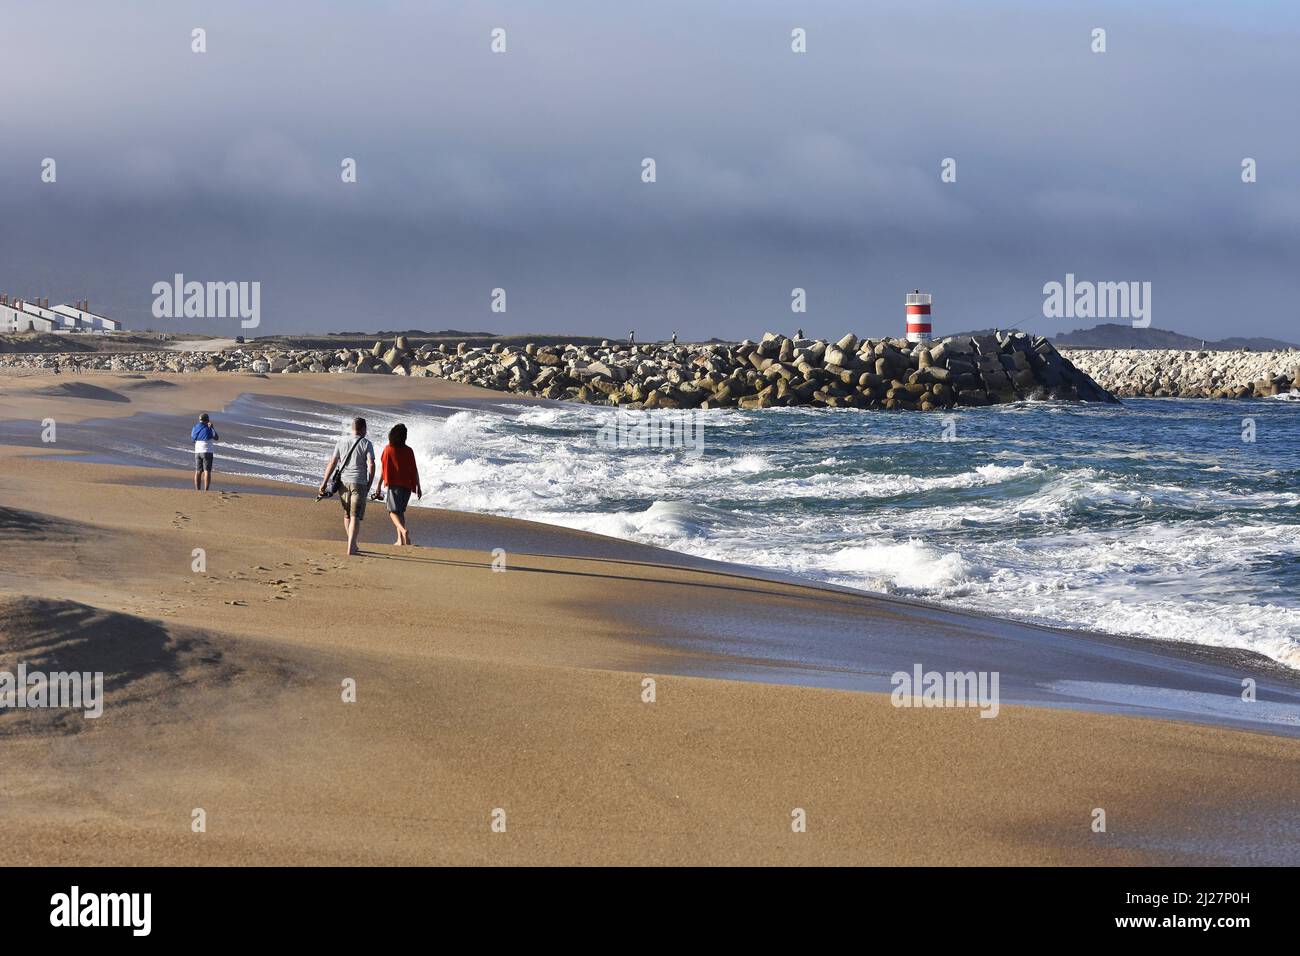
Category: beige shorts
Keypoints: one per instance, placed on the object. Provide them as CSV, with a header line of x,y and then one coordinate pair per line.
x,y
353,499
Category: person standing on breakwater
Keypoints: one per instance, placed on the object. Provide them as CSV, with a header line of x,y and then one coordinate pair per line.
x,y
399,474
354,457
203,435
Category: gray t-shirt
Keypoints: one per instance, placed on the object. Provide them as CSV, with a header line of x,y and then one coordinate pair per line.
x,y
357,470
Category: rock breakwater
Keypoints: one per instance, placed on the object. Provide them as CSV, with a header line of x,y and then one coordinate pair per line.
x,y
1176,373
775,371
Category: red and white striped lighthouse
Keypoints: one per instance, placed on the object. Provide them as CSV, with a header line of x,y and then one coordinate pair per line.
x,y
918,316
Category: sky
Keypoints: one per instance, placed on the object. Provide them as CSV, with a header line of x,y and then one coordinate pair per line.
x,y
774,170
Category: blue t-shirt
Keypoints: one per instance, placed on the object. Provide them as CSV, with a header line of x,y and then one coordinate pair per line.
x,y
203,434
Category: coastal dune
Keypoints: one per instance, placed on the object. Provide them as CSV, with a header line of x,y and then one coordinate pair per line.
x,y
484,697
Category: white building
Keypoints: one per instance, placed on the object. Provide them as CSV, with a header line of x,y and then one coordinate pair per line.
x,y
61,323
18,320
85,319
19,315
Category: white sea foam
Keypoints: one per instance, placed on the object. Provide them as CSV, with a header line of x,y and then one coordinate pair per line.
x,y
909,566
1174,541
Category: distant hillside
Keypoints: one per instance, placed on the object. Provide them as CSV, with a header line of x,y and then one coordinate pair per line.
x,y
1114,335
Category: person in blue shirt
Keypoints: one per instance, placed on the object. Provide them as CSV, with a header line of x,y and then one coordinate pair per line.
x,y
203,435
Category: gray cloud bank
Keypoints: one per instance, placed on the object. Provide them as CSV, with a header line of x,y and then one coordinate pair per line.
x,y
775,170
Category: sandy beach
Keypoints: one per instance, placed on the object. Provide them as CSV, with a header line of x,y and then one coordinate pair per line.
x,y
479,691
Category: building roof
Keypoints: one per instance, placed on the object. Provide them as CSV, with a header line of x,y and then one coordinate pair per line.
x,y
34,309
84,316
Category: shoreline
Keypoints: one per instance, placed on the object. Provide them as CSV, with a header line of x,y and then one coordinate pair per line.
x,y
525,692
564,542
395,391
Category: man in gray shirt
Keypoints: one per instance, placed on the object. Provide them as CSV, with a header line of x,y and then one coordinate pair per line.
x,y
355,457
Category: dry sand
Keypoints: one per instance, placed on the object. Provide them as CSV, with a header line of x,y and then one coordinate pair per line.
x,y
69,397
521,691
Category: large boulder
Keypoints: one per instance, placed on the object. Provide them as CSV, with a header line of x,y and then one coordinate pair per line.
x,y
615,373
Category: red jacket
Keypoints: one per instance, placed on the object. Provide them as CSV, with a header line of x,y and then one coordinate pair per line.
x,y
399,469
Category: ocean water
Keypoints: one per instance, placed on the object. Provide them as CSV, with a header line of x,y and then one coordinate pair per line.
x,y
1155,518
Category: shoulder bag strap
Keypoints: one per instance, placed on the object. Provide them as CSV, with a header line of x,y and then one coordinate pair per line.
x,y
344,463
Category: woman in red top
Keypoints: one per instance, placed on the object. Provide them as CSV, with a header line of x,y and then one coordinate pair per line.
x,y
400,476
